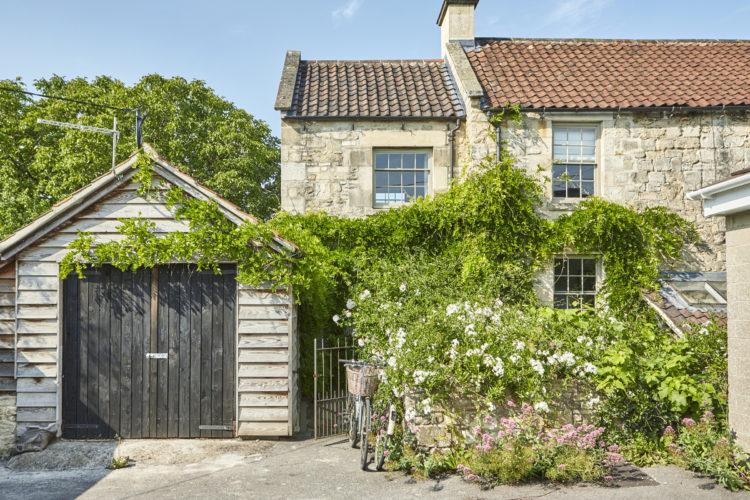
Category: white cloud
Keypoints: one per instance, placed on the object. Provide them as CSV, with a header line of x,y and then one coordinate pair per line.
x,y
574,13
347,11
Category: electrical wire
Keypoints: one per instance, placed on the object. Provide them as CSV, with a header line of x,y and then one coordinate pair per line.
x,y
67,99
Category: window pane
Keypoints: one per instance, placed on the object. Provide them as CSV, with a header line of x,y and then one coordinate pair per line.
x,y
419,192
574,267
589,300
408,179
381,160
421,161
420,178
381,180
558,189
589,284
587,189
589,267
408,160
587,153
561,302
561,267
574,190
394,178
589,135
558,171
559,151
574,172
394,161
587,172
560,135
561,284
574,136
409,193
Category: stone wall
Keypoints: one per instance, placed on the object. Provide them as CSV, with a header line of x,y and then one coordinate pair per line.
x,y
738,291
648,159
328,165
7,424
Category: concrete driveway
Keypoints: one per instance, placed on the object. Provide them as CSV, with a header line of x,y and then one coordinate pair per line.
x,y
282,469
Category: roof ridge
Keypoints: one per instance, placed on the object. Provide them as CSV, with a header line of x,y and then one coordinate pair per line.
x,y
370,61
487,40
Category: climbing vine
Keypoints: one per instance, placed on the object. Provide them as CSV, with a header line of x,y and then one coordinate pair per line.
x,y
484,237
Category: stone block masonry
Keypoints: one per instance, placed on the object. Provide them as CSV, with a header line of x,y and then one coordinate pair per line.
x,y
648,159
328,165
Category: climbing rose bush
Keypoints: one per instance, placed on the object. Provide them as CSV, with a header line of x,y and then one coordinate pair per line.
x,y
484,351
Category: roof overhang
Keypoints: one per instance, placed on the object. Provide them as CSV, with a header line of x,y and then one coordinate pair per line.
x,y
83,199
726,197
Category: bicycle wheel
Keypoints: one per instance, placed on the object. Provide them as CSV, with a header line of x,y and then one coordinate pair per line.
x,y
353,416
364,430
381,448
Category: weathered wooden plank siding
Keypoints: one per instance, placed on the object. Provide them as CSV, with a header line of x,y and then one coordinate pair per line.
x,y
264,364
7,328
37,326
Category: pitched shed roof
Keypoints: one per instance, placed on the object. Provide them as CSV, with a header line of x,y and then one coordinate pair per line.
x,y
612,74
418,89
86,197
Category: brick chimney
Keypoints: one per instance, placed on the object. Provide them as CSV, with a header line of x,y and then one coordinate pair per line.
x,y
456,21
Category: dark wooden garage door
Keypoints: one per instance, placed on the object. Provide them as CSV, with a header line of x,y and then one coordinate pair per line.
x,y
149,354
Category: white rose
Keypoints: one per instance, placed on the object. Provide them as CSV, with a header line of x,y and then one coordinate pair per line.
x,y
350,304
541,406
336,318
402,287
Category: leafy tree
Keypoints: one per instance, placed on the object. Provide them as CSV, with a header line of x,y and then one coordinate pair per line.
x,y
221,145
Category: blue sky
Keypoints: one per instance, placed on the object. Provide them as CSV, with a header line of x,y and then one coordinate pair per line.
x,y
238,47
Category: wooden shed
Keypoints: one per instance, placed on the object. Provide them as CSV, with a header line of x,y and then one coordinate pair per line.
x,y
169,352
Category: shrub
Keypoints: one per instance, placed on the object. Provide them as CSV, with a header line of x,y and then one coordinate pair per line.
x,y
705,447
523,447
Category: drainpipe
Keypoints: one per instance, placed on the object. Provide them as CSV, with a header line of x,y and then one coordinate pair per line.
x,y
452,141
498,138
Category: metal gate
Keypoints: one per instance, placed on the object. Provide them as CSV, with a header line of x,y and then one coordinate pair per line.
x,y
330,386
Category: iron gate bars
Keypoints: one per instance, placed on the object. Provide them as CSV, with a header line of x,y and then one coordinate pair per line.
x,y
329,378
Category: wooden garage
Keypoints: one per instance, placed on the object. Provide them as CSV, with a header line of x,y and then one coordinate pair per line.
x,y
168,352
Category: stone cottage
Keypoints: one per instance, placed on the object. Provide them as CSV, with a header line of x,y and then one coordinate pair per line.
x,y
639,122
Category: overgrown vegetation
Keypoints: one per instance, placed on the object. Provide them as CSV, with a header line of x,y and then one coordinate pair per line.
x,y
441,291
224,147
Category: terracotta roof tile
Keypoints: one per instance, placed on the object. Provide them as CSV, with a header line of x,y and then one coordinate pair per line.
x,y
375,89
611,74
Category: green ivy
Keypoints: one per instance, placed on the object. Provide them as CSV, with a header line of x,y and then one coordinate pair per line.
x,y
485,235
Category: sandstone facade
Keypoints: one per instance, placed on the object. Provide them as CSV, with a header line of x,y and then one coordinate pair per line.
x,y
643,159
328,165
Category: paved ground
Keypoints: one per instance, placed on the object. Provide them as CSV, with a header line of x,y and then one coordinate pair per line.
x,y
282,469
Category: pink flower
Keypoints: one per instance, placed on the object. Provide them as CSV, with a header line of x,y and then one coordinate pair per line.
x,y
613,448
669,431
510,404
688,422
562,466
708,415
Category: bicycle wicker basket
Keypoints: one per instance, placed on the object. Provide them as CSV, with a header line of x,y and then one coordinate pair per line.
x,y
362,384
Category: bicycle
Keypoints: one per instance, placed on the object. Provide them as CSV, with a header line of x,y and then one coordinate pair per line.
x,y
384,438
362,381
